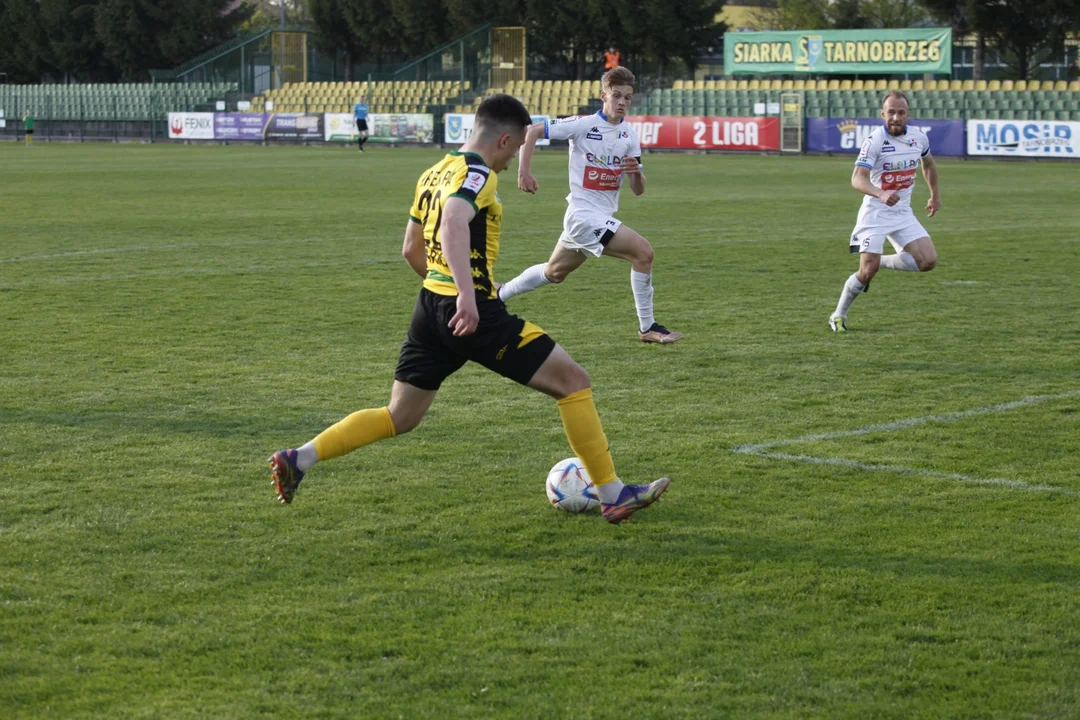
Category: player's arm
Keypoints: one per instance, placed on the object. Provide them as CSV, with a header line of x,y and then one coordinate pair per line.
x,y
413,248
636,173
526,181
929,171
860,180
454,235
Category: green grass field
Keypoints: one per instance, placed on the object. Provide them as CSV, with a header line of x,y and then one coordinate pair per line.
x,y
171,315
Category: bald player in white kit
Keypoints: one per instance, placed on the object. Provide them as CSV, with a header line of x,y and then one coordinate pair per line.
x,y
885,173
604,150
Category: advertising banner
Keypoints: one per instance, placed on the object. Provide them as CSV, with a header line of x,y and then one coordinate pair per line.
x,y
239,126
917,50
707,133
402,127
1024,138
294,126
457,127
846,135
191,126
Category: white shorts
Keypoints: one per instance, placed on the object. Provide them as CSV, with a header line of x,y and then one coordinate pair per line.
x,y
588,232
872,229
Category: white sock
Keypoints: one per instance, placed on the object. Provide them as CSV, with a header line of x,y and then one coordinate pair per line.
x,y
609,492
900,261
852,288
531,279
643,292
306,456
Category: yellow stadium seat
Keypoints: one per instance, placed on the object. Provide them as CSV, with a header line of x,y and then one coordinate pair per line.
x,y
955,85
678,85
1074,86
905,85
980,85
741,84
968,85
753,85
1007,85
858,84
799,85
721,84
845,84
1035,85
787,85
918,85
1061,85
1020,85
833,85
710,84
993,85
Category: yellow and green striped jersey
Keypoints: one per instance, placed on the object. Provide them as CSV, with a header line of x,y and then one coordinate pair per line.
x,y
467,176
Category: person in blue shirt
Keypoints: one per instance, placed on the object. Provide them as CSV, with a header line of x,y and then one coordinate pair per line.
x,y
360,111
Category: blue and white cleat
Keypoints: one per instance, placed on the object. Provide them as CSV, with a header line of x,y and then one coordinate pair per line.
x,y
285,476
633,498
837,324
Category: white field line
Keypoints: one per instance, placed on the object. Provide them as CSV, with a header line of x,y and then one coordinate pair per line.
x,y
763,449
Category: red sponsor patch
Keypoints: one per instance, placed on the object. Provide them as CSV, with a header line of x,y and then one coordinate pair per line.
x,y
597,178
898,180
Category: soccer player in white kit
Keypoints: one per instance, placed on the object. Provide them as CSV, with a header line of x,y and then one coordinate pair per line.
x,y
885,173
604,149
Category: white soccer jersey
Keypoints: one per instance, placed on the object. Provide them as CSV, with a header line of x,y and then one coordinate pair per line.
x,y
597,150
893,161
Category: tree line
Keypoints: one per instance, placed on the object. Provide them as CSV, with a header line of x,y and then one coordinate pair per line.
x,y
113,40
1024,33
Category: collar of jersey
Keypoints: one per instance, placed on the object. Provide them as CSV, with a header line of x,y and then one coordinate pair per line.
x,y
601,114
469,154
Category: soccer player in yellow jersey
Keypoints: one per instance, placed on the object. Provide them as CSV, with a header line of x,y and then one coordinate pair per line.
x,y
452,242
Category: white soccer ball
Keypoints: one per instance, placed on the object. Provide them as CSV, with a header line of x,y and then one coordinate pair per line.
x,y
569,487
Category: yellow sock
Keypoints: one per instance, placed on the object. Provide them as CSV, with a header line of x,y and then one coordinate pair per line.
x,y
359,429
586,435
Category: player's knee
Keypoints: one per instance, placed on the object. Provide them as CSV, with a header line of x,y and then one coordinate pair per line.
x,y
645,254
404,421
555,274
928,263
575,379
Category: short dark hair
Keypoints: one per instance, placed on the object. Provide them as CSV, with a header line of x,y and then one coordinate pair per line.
x,y
896,94
502,113
617,76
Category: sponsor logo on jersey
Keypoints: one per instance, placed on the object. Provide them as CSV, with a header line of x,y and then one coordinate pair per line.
x,y
474,181
900,165
601,179
593,136
887,147
623,135
898,180
609,160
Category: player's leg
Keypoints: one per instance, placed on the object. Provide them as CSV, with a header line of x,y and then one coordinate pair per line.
x,y
566,381
915,251
562,262
921,253
629,245
524,353
859,281
363,139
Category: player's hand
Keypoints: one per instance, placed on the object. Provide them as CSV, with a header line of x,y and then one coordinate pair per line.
x,y
890,197
527,182
630,165
466,318
932,206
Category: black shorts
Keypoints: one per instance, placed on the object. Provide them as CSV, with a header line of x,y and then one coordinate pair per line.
x,y
431,353
30,132
361,125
